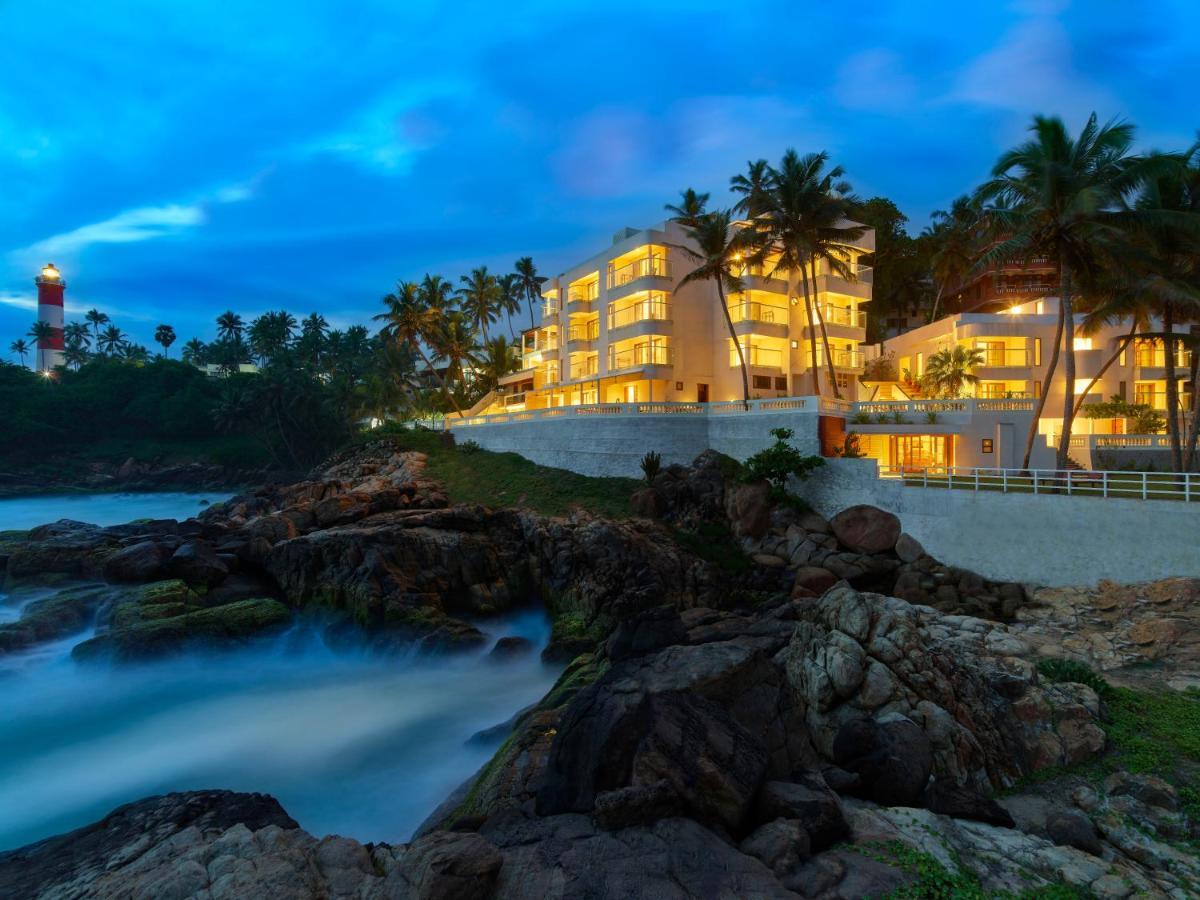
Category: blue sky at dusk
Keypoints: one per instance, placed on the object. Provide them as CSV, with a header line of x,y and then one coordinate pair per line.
x,y
177,159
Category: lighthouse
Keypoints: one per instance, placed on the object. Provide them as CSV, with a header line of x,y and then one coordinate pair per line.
x,y
50,287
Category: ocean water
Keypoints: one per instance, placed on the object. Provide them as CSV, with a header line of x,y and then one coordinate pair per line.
x,y
19,513
350,741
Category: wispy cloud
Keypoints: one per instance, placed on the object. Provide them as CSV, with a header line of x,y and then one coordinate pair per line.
x,y
127,227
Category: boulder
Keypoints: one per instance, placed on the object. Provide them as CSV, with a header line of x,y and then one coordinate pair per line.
x,y
136,563
1071,828
748,507
65,613
893,759
647,503
815,579
511,647
908,548
446,866
962,802
220,626
809,802
781,845
196,562
866,529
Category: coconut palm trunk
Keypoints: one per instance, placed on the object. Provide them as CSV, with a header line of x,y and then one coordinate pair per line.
x,y
1121,345
441,380
812,336
1172,387
737,345
1189,447
1068,322
1051,367
824,333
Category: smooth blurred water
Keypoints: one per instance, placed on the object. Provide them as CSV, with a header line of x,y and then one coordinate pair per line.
x,y
349,742
19,513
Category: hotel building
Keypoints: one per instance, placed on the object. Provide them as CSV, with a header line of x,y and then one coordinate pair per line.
x,y
619,328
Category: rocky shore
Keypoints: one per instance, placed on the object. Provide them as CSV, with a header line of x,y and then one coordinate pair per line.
x,y
132,475
758,703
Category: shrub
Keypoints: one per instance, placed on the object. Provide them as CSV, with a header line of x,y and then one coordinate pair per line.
x,y
1143,418
861,418
469,447
651,465
779,461
931,418
1062,670
850,448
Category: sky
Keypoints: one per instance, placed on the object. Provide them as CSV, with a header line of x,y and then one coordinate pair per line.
x,y
179,159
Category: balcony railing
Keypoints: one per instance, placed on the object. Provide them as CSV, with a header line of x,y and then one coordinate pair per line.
x,y
1148,358
639,355
584,293
585,368
587,332
1027,287
845,359
656,265
1003,357
1031,261
754,311
758,356
650,309
549,308
1060,482
841,315
547,342
515,400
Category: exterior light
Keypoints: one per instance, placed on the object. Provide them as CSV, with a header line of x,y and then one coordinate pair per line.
x,y
795,345
50,272
1015,308
795,301
47,374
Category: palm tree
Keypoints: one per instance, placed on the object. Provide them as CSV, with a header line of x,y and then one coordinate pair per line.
x,y
95,318
1165,270
230,326
77,333
41,332
955,238
454,342
718,250
111,339
437,295
479,299
509,301
195,352
803,211
75,355
530,283
270,334
20,348
1063,197
407,320
690,208
500,357
949,370
134,353
165,336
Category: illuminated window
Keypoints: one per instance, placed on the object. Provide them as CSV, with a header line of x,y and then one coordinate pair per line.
x,y
987,445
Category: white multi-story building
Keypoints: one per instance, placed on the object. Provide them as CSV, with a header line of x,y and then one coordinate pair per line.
x,y
619,328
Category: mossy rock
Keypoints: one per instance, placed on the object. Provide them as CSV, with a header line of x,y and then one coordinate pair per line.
x,y
65,613
231,624
156,600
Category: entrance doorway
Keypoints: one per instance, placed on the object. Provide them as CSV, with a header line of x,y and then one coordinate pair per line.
x,y
702,393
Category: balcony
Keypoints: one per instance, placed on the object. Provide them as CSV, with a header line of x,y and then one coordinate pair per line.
x,y
580,337
585,368
549,309
652,308
1025,288
845,359
1003,357
764,357
580,299
841,315
646,354
754,311
1156,358
858,284
514,400
655,265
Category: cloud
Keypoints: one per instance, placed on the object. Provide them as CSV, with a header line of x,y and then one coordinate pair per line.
x,y
876,81
1031,70
131,226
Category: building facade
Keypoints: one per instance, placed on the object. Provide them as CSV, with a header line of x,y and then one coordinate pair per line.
x,y
620,328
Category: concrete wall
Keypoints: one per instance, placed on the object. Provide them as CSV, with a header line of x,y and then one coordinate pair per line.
x,y
1039,539
614,444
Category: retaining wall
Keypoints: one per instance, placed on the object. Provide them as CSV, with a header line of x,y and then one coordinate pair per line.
x,y
1040,539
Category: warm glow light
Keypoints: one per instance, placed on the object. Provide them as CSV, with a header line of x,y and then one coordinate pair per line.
x,y
1015,309
50,272
47,374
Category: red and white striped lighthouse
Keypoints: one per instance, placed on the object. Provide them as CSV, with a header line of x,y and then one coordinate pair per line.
x,y
51,288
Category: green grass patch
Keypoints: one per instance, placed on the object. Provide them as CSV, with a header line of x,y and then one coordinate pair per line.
x,y
473,475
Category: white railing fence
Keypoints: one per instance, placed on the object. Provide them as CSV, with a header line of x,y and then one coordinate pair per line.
x,y
655,408
1062,482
